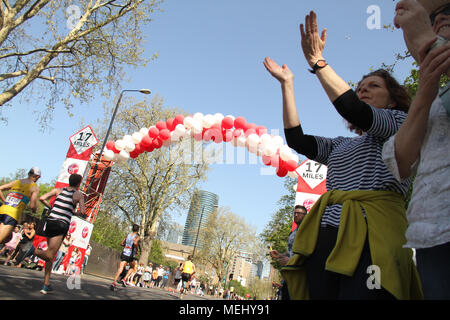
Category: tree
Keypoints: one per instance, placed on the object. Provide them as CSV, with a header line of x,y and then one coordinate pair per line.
x,y
61,51
277,230
161,182
227,235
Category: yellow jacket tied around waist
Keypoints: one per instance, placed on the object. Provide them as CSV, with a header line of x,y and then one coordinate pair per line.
x,y
384,226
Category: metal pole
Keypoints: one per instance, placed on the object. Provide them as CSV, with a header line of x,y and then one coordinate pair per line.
x,y
145,91
198,230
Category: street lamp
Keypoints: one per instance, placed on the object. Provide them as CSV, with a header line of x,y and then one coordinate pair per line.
x,y
144,91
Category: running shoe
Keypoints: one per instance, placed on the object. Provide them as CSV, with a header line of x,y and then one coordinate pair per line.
x,y
124,283
46,289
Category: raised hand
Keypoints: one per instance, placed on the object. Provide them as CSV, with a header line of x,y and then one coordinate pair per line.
x,y
413,19
312,43
282,74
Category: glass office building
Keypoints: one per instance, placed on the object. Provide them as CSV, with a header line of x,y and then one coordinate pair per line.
x,y
203,204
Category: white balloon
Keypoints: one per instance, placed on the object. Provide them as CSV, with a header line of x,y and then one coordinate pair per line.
x,y
198,116
124,155
119,144
188,122
278,141
253,139
108,154
180,129
218,117
241,141
197,127
143,131
208,121
270,149
127,138
137,137
129,146
285,152
265,139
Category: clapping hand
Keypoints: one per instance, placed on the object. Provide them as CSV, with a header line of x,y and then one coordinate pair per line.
x,y
282,74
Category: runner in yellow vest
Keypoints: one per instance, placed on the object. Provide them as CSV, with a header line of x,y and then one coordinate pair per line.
x,y
187,270
23,192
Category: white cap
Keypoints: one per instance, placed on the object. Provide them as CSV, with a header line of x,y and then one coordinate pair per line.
x,y
36,171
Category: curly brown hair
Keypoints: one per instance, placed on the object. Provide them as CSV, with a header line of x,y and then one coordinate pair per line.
x,y
398,93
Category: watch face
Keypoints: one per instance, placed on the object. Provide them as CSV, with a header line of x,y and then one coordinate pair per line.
x,y
321,63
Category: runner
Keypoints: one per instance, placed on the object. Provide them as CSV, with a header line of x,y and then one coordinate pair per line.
x,y
23,192
130,242
58,222
187,270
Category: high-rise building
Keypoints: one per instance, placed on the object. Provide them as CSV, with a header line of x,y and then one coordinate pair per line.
x,y
203,204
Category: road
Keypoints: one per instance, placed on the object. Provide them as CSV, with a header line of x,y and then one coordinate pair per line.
x,y
25,284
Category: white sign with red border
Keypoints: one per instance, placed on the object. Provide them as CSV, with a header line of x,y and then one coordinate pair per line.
x,y
83,140
80,232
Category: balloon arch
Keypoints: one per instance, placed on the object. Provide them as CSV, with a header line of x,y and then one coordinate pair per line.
x,y
217,128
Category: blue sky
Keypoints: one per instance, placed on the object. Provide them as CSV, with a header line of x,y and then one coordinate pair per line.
x,y
210,61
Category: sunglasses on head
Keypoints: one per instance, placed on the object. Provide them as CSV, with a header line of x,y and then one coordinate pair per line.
x,y
445,10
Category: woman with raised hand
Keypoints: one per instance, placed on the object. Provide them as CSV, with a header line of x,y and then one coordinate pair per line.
x,y
349,246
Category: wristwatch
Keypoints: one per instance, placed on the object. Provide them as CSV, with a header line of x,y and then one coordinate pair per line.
x,y
318,65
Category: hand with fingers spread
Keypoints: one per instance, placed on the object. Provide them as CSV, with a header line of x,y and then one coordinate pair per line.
x,y
282,74
312,43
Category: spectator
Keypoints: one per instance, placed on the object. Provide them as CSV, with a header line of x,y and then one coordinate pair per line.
x,y
139,273
10,246
165,277
63,249
87,253
147,275
27,248
346,231
177,277
13,256
154,277
421,146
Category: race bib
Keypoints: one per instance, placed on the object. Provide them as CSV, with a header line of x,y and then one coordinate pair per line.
x,y
13,199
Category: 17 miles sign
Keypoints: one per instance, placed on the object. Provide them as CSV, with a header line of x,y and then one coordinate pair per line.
x,y
83,140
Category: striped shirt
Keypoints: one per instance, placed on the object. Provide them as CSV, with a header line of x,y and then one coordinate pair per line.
x,y
63,206
356,163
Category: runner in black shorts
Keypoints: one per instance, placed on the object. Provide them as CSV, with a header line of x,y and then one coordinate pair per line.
x,y
58,221
130,244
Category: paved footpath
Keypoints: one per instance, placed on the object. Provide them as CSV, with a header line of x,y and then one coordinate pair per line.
x,y
25,284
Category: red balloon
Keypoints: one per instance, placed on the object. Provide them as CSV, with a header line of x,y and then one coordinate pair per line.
x,y
138,148
239,123
161,125
291,165
266,160
179,119
227,135
157,143
110,145
238,132
249,126
170,125
281,171
149,148
198,137
146,141
275,161
164,134
134,154
227,123
249,132
260,130
153,132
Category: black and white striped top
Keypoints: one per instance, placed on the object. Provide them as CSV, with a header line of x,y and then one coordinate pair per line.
x,y
63,206
354,163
